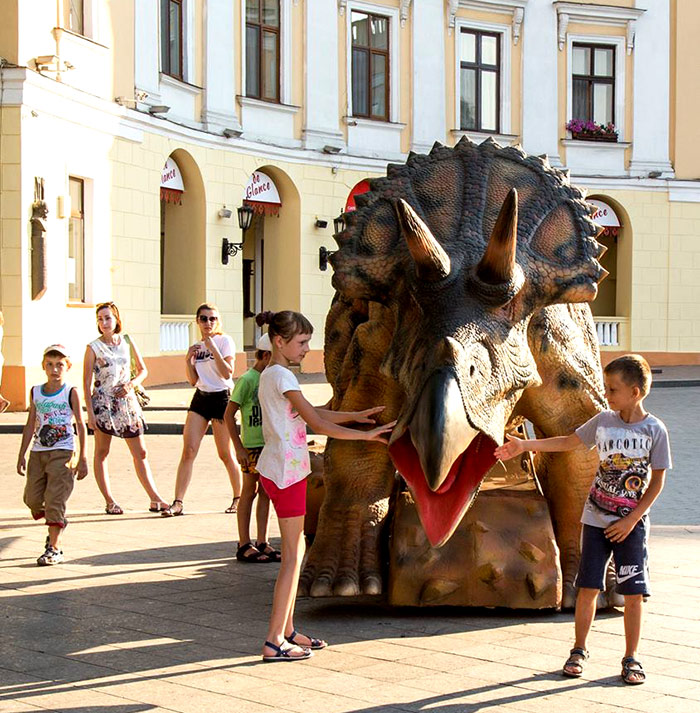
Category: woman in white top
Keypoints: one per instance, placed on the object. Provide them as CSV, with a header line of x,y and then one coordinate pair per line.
x,y
209,365
112,407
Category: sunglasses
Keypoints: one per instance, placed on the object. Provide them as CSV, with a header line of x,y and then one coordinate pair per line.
x,y
204,318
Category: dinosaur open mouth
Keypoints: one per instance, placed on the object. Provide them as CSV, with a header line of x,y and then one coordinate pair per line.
x,y
441,510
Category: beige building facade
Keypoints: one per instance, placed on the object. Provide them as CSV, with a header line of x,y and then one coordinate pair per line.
x,y
131,132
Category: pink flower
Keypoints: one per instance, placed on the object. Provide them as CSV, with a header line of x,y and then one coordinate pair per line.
x,y
299,436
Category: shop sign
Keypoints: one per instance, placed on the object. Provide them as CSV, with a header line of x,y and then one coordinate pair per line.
x,y
604,214
361,187
171,184
261,194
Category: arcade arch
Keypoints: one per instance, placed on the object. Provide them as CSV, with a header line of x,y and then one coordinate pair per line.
x,y
272,253
182,236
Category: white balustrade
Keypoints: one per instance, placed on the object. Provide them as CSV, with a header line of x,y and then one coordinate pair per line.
x,y
174,336
607,333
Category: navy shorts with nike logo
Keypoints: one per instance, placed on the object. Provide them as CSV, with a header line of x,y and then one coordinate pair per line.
x,y
630,559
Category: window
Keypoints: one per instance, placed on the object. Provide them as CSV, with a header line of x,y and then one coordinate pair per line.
x,y
479,80
370,65
262,49
76,17
593,83
171,37
76,241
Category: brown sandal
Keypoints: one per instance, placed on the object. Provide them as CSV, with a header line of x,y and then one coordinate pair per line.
x,y
573,667
174,510
113,509
632,671
233,508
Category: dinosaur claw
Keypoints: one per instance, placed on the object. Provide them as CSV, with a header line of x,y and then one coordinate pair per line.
x,y
346,587
372,585
321,588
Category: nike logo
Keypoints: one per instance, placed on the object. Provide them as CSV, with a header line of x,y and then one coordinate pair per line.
x,y
627,572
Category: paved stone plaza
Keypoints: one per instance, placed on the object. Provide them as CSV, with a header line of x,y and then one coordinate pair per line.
x,y
154,614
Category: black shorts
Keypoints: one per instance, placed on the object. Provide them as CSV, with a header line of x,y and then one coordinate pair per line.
x,y
631,559
210,405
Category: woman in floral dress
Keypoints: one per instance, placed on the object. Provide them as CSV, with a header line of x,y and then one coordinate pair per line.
x,y
112,407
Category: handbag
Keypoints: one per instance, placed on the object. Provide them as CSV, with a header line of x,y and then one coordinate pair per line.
x,y
141,396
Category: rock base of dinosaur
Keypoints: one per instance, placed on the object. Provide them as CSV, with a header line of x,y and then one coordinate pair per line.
x,y
503,554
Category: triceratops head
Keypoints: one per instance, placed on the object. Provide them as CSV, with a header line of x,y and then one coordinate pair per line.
x,y
463,245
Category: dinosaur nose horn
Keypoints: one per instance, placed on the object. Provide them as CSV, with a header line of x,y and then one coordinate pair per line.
x,y
431,260
498,261
439,427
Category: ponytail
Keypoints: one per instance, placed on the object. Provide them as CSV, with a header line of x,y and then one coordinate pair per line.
x,y
285,324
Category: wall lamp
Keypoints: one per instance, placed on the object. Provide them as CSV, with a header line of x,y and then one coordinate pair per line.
x,y
245,218
323,256
232,133
158,109
329,148
320,223
225,212
339,224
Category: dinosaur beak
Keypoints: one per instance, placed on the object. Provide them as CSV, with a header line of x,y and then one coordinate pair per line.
x,y
442,457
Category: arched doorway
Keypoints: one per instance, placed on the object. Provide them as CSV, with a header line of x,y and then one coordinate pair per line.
x,y
272,248
611,308
182,236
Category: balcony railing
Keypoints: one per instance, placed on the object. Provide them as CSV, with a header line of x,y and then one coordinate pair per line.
x,y
612,331
176,332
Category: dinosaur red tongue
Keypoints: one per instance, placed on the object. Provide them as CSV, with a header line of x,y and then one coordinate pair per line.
x,y
441,511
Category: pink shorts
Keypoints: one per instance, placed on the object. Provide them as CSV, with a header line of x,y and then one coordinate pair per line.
x,y
288,502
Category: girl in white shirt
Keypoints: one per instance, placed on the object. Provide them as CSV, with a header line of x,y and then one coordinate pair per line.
x,y
209,365
284,464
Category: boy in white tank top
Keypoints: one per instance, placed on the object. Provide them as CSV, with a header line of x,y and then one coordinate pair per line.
x,y
52,468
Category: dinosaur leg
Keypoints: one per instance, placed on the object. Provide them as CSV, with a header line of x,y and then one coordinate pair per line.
x,y
345,558
563,342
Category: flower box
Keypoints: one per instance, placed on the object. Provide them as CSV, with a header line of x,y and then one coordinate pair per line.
x,y
587,136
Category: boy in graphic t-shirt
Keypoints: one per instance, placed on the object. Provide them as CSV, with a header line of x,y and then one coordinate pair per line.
x,y
634,455
50,477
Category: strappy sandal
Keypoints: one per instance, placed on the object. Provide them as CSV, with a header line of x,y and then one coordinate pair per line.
x,y
577,657
285,654
632,671
174,510
250,553
113,509
315,643
155,506
233,508
266,548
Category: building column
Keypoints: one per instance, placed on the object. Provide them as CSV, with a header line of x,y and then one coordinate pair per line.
x,y
219,110
540,75
650,136
429,102
147,49
321,81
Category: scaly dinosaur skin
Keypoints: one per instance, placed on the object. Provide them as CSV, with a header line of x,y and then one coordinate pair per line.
x,y
456,280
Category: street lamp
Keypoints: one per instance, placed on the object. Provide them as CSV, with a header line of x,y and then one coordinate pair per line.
x,y
245,218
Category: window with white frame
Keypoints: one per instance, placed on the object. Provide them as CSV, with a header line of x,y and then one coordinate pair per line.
x,y
262,48
171,38
76,241
479,80
370,65
483,81
593,82
76,16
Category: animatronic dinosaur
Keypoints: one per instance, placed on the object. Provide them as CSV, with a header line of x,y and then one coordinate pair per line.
x,y
458,281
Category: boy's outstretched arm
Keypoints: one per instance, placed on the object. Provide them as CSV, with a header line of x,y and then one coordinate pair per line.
x,y
619,530
515,446
27,433
82,433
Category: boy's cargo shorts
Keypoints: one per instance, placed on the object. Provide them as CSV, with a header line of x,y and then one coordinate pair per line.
x,y
50,480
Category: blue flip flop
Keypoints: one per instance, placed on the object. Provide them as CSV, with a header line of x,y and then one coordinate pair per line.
x,y
285,654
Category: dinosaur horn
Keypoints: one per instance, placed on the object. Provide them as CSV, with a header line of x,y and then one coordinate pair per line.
x,y
498,261
432,262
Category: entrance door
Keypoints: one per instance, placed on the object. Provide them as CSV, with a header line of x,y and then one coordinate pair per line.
x,y
253,280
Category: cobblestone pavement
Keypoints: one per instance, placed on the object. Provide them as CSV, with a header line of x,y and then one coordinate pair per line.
x,y
155,614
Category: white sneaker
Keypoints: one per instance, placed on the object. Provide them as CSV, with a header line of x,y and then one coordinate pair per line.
x,y
50,556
